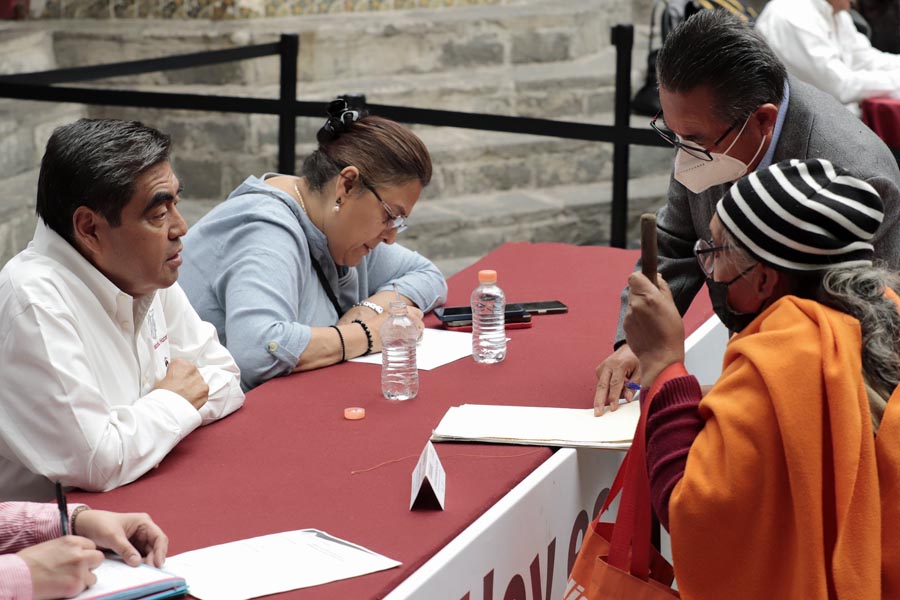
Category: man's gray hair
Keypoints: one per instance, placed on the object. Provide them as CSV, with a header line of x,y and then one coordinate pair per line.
x,y
715,48
95,163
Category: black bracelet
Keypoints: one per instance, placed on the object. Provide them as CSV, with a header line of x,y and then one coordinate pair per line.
x,y
343,348
368,335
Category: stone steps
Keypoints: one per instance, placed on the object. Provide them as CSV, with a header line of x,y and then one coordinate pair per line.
x,y
17,219
372,44
456,231
24,130
213,152
583,86
25,126
453,231
473,225
216,151
24,51
473,162
544,58
212,156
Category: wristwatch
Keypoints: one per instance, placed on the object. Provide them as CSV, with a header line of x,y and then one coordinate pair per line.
x,y
378,309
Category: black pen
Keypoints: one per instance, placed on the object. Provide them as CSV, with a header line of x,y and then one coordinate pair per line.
x,y
63,509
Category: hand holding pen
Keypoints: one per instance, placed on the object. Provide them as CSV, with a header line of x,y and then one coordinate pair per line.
x,y
63,567
613,373
133,536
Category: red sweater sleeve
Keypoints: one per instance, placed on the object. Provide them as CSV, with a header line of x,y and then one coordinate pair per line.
x,y
673,422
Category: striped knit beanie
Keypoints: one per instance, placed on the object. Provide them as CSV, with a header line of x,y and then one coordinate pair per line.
x,y
803,216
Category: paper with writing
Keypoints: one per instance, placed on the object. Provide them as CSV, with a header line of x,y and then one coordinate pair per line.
x,y
274,563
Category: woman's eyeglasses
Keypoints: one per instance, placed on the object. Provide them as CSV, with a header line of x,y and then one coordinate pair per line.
x,y
397,222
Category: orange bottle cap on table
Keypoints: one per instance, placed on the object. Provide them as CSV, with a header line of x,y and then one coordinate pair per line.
x,y
487,276
354,413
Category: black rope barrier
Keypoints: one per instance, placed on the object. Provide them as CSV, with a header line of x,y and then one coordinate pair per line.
x,y
150,65
44,86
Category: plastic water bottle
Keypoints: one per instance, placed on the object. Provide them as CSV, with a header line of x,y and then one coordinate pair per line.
x,y
488,326
399,375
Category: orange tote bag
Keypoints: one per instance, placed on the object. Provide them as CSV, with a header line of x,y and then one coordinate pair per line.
x,y
616,560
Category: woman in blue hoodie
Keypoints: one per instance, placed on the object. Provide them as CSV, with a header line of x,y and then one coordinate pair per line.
x,y
292,271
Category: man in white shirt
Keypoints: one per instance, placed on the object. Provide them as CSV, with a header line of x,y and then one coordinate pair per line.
x,y
818,43
105,364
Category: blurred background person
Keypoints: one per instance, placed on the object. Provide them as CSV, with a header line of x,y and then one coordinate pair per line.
x,y
883,16
818,43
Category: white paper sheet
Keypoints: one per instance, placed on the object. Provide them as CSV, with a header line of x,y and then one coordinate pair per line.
x,y
438,347
274,563
539,426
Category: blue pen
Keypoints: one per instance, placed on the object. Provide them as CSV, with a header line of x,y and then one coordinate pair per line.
x,y
63,509
632,386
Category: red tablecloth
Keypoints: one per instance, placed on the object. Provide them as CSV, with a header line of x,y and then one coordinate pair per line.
x,y
288,460
883,116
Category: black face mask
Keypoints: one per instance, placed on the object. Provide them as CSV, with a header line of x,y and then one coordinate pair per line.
x,y
718,294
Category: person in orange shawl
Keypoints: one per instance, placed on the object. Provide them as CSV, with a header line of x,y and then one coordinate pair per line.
x,y
783,480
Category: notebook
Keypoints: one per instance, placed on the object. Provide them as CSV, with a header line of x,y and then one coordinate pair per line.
x,y
539,426
118,581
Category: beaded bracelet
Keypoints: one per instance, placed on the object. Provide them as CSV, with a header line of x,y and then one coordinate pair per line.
x,y
368,335
371,306
75,514
343,348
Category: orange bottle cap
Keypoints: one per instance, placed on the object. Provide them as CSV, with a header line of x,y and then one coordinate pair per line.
x,y
354,413
487,276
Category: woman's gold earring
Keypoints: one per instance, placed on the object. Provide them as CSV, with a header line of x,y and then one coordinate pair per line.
x,y
337,205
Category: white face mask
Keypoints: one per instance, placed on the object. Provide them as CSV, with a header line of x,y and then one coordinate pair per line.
x,y
699,175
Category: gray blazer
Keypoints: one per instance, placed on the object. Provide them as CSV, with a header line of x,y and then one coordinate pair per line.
x,y
816,126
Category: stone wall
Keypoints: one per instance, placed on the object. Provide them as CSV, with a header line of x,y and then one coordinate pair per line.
x,y
539,58
224,9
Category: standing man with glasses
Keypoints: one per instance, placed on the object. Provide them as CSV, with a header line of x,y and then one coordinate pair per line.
x,y
729,108
296,272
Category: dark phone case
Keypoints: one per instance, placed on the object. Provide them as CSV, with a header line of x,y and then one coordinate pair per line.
x,y
534,308
514,311
457,326
510,320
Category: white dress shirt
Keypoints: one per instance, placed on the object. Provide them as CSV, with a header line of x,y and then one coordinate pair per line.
x,y
825,49
80,359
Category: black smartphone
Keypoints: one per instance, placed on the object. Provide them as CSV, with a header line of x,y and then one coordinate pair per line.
x,y
524,319
455,314
548,307
523,322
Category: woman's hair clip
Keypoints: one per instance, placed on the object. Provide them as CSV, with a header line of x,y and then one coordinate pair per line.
x,y
342,112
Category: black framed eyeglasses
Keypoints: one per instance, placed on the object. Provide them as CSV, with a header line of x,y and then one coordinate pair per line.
x,y
394,221
705,251
695,151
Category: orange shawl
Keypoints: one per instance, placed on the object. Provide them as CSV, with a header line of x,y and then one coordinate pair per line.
x,y
780,494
